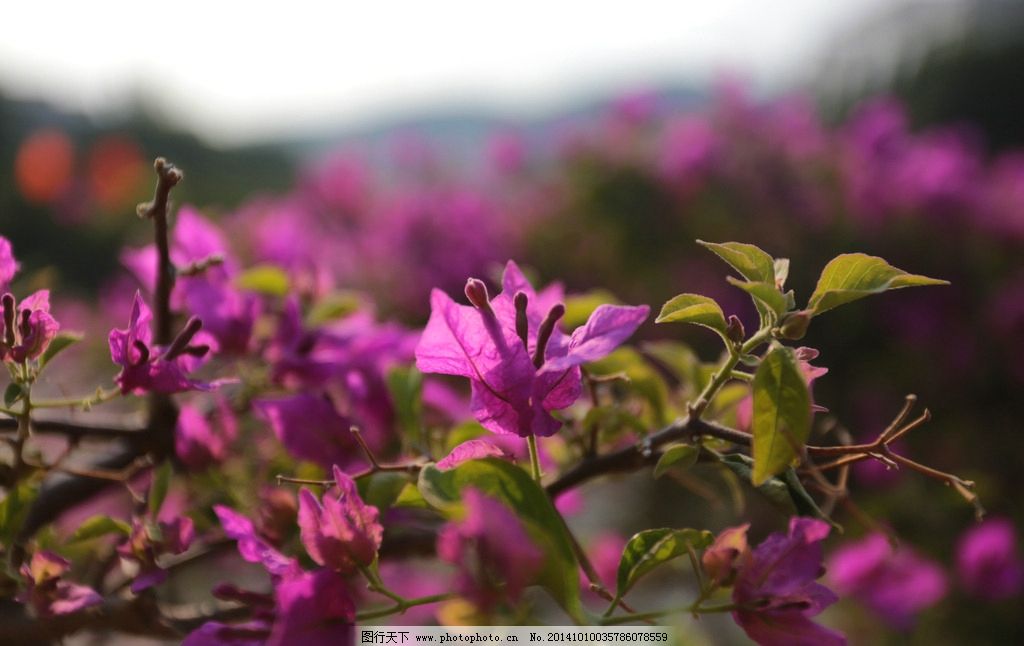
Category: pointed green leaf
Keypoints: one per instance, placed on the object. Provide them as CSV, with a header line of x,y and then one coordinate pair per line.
x,y
773,489
650,548
333,306
805,504
763,293
61,342
514,487
405,384
410,496
853,276
12,394
382,489
695,309
14,508
679,456
97,526
158,490
751,262
264,279
782,413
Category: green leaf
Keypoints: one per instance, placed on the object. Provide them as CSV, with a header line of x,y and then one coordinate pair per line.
x,y
695,309
382,489
264,279
644,379
12,394
763,293
332,307
853,276
805,504
97,526
650,548
782,413
405,384
773,489
751,262
14,508
158,490
678,456
515,488
61,342
678,358
464,432
410,496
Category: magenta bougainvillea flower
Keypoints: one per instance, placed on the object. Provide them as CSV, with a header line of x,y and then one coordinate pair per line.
x,y
894,583
28,327
520,365
149,368
202,439
343,533
495,555
47,592
313,608
8,265
310,428
346,361
227,313
252,546
150,539
776,591
309,607
988,560
474,449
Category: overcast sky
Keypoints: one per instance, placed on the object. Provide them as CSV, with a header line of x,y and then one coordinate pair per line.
x,y
237,72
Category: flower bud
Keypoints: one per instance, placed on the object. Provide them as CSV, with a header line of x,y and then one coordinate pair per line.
x,y
734,329
795,325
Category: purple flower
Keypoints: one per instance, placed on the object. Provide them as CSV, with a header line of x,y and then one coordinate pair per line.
x,y
988,560
520,365
343,533
8,265
312,608
776,591
310,428
227,313
894,583
475,449
149,368
201,439
729,552
48,593
28,327
494,553
350,360
150,539
253,547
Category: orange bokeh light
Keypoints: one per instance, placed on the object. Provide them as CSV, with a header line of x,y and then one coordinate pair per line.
x,y
115,170
44,165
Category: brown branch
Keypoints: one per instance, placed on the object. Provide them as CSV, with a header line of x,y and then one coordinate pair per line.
x,y
167,178
157,438
72,429
138,616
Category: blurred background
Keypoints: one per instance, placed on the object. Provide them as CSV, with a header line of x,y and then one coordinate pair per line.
x,y
406,146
